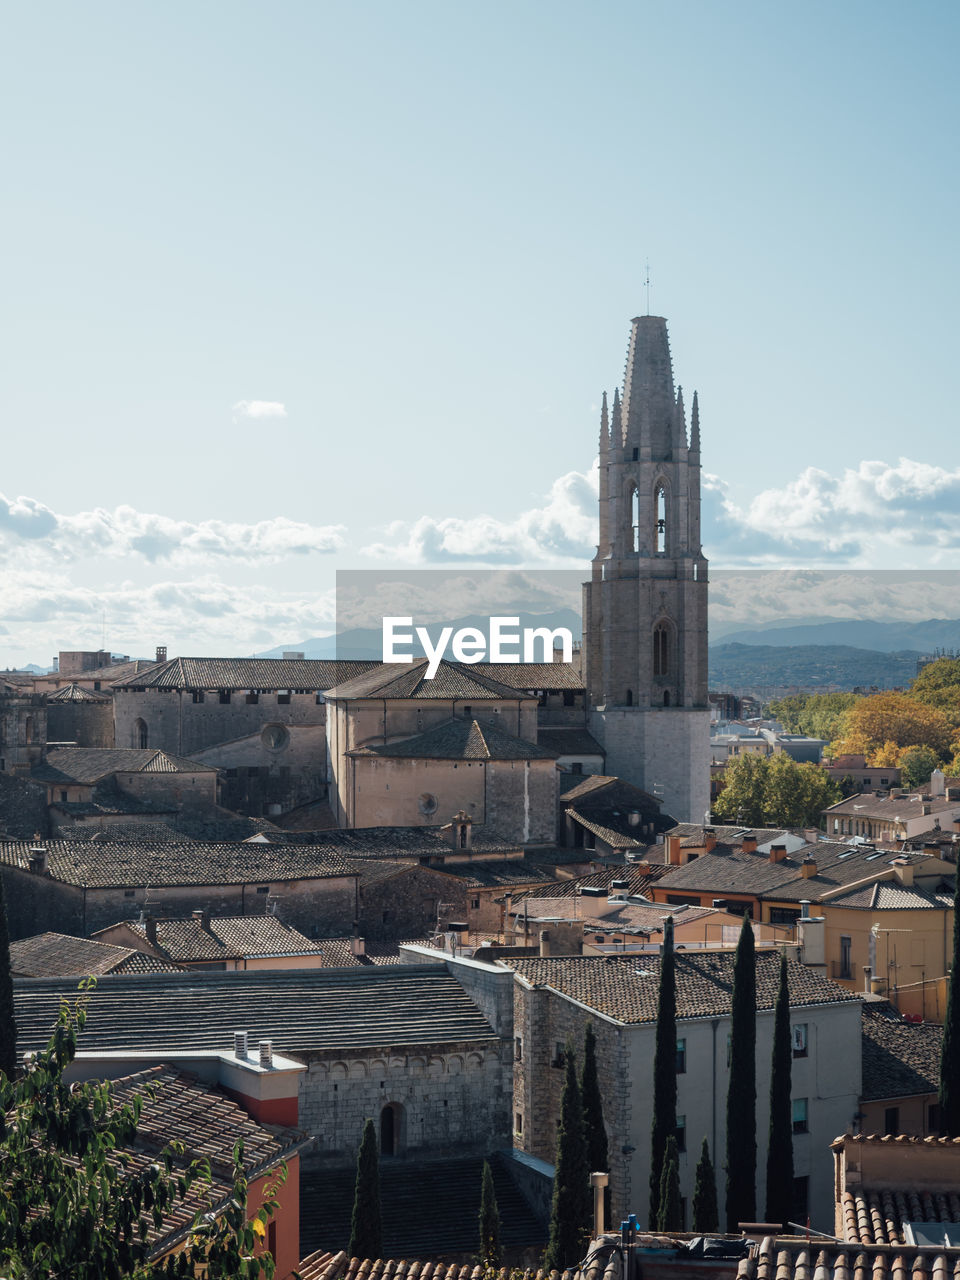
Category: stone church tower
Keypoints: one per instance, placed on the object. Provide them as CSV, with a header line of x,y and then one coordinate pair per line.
x,y
645,607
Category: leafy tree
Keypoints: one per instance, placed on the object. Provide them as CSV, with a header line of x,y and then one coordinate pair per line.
x,y
664,1070
741,1200
916,765
490,1252
365,1225
780,1144
706,1215
885,756
570,1211
670,1213
72,1205
819,715
596,1132
950,1048
8,1026
774,790
938,685
895,717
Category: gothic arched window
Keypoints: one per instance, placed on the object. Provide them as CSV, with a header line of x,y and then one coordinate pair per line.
x,y
140,734
661,528
635,517
661,649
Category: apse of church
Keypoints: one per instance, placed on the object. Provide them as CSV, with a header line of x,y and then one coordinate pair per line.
x,y
645,607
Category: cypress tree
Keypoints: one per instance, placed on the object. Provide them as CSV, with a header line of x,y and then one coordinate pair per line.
x,y
490,1253
669,1216
780,1144
664,1070
741,1203
706,1215
570,1213
8,1026
597,1154
365,1226
950,1049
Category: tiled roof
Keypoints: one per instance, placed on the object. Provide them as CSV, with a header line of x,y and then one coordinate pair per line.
x,y
58,955
90,764
891,895
626,988
900,1059
129,864
609,835
600,915
909,804
74,693
301,1010
226,938
339,952
460,739
533,676
784,1259
263,674
598,793
639,882
569,741
876,1215
403,680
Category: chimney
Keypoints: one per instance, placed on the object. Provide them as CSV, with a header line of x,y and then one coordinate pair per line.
x,y
778,852
599,1182
749,843
266,1054
38,859
240,1044
811,834
709,839
804,908
808,867
161,653
937,783
903,870
544,942
151,926
358,946
867,978
673,858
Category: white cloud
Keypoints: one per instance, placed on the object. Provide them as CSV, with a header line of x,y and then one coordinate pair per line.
x,y
35,529
259,409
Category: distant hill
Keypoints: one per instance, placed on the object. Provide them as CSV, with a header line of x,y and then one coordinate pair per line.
x,y
367,642
741,667
885,637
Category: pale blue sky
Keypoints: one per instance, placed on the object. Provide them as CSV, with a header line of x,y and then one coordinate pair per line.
x,y
422,229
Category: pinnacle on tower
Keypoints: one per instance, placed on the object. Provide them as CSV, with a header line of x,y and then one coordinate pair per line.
x,y
604,429
695,425
680,440
616,433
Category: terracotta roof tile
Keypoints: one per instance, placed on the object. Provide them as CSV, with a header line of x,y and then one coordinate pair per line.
x,y
263,674
402,680
56,955
90,764
900,1059
460,739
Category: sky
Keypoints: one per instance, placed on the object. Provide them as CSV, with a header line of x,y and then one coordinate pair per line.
x,y
301,287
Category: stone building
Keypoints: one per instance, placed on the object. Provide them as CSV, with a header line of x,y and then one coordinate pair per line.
x,y
75,777
80,717
23,727
555,998
645,606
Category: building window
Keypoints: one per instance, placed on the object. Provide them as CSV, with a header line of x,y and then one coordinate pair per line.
x,y
933,1119
559,1057
629,697
846,946
253,698
468,712
475,903
635,519
283,697
518,1122
63,797
681,1057
263,888
681,1133
198,695
891,1120
800,1115
576,766
660,649
801,1198
800,1040
141,734
661,501
129,893
224,697
517,1049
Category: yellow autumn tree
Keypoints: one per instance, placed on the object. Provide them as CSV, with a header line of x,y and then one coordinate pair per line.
x,y
894,718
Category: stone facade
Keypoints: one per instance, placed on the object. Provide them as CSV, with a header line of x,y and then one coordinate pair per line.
x,y
23,728
664,751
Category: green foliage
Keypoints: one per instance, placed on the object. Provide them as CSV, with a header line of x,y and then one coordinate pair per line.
x,y
780,1143
818,715
596,1132
706,1214
741,1200
670,1212
74,1205
950,1049
774,791
490,1251
916,765
8,1026
571,1209
366,1231
937,685
664,1070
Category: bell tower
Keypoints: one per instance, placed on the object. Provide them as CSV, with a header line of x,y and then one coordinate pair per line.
x,y
645,607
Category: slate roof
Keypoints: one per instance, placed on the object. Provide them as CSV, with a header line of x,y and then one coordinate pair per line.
x,y
226,938
58,955
891,895
900,1059
569,741
301,1010
262,674
409,680
626,987
74,693
89,764
460,739
129,864
728,869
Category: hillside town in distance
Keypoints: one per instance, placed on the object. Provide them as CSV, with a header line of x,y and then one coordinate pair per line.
x,y
656,969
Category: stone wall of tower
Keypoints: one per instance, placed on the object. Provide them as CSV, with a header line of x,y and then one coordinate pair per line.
x,y
665,750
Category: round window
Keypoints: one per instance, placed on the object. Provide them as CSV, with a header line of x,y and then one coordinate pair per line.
x,y
428,804
274,736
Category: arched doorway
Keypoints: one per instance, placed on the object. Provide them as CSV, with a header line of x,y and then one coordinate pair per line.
x,y
140,734
390,1122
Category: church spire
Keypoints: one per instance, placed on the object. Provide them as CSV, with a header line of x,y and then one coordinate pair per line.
x,y
695,425
604,430
616,431
649,402
680,434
